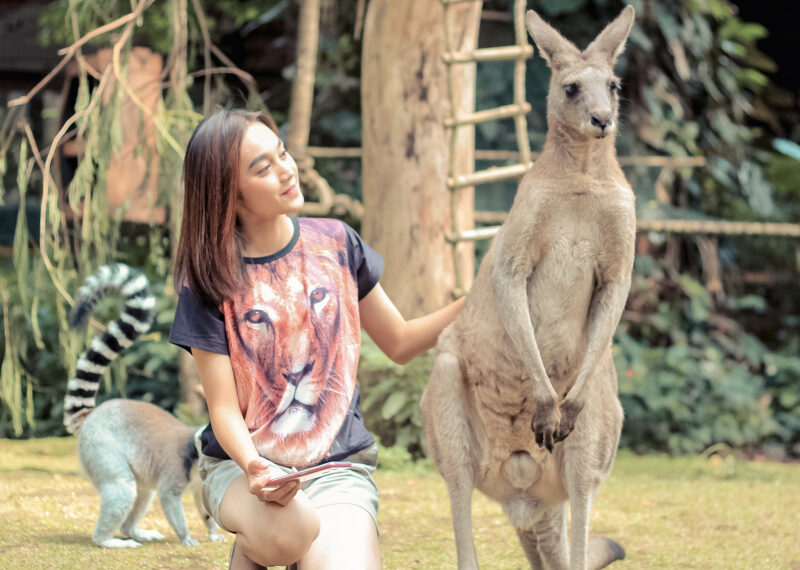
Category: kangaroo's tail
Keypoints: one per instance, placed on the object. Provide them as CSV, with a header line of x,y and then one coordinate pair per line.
x,y
603,551
135,319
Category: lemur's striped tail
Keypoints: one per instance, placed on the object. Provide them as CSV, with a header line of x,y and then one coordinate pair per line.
x,y
134,320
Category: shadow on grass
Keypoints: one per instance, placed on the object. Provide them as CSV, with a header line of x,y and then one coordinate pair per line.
x,y
63,539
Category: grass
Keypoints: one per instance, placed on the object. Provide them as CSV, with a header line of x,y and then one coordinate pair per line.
x,y
668,513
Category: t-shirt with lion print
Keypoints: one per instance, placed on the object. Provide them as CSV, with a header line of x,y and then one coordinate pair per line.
x,y
294,338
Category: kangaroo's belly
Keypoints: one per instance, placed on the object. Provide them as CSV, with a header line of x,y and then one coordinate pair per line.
x,y
559,298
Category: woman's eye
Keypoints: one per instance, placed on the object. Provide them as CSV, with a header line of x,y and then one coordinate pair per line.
x,y
264,170
571,89
318,295
255,317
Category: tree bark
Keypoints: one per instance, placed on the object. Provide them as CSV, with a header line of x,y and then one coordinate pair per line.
x,y
405,101
303,85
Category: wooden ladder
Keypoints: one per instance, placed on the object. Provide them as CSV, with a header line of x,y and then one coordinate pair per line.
x,y
517,110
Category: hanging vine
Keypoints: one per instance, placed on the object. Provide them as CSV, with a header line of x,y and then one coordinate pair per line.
x,y
80,231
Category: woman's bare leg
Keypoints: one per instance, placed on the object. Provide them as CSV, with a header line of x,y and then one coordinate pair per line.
x,y
267,533
348,540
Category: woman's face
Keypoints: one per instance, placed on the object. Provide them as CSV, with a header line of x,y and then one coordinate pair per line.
x,y
268,185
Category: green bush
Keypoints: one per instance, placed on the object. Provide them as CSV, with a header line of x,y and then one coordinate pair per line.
x,y
391,396
690,376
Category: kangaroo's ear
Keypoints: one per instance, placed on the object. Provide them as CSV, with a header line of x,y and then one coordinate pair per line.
x,y
555,48
611,41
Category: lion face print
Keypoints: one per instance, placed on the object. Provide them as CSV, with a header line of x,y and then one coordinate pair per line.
x,y
294,335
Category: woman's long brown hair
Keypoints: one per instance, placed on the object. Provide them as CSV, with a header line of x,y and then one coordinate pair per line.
x,y
211,243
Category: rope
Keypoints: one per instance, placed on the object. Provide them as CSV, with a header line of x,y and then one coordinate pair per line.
x,y
691,227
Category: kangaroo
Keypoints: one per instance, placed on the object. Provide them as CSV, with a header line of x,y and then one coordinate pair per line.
x,y
522,399
128,448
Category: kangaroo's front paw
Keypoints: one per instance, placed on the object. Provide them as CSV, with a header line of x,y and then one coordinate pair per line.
x,y
569,415
544,424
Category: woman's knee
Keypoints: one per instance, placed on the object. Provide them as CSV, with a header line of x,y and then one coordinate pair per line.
x,y
286,540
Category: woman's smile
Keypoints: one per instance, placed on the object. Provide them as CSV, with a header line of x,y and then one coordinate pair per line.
x,y
291,191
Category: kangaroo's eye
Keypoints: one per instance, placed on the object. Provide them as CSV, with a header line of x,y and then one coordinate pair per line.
x,y
572,89
615,87
255,317
318,295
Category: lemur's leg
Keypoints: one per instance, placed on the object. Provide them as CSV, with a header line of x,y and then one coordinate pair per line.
x,y
144,499
117,498
170,496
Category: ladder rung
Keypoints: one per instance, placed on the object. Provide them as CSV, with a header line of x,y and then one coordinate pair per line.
x,y
489,115
472,235
495,174
490,54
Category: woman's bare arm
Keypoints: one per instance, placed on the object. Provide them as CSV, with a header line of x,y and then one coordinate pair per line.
x,y
399,339
216,376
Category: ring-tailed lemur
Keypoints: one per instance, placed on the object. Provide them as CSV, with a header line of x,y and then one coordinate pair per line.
x,y
129,449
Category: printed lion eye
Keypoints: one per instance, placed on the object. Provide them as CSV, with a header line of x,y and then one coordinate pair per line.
x,y
571,89
318,295
255,317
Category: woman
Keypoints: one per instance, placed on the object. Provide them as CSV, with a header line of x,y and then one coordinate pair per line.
x,y
271,308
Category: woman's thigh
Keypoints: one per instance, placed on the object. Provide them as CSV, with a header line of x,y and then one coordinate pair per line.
x,y
348,540
268,533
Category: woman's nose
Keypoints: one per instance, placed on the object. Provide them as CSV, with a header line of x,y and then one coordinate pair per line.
x,y
286,168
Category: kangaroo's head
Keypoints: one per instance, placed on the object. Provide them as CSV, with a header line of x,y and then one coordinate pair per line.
x,y
584,91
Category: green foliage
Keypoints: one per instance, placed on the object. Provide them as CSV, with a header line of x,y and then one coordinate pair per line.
x,y
782,373
391,396
62,18
690,376
34,391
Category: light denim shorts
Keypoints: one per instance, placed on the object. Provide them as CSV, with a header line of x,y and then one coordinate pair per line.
x,y
352,486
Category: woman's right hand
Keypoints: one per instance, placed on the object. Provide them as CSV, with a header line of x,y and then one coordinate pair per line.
x,y
258,478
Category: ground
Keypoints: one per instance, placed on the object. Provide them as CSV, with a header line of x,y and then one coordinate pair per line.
x,y
717,513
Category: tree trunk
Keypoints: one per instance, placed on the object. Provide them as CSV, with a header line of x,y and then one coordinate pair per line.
x,y
405,101
303,85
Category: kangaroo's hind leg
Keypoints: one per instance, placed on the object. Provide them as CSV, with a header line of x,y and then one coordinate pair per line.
x,y
452,447
589,454
542,532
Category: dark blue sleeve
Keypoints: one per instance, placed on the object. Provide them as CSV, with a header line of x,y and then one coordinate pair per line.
x,y
366,264
197,325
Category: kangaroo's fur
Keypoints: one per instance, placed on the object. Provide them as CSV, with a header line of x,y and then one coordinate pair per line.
x,y
129,449
522,401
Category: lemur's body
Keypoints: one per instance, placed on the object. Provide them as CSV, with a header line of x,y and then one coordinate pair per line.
x,y
129,449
